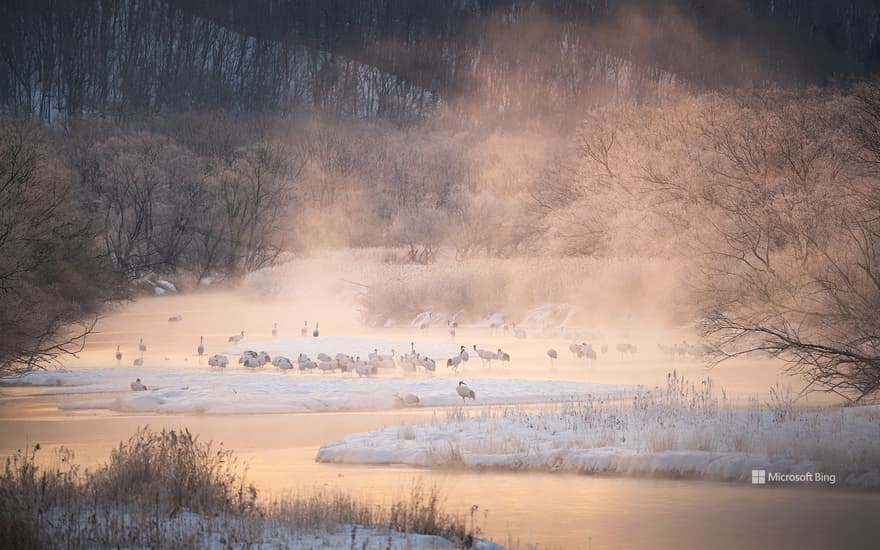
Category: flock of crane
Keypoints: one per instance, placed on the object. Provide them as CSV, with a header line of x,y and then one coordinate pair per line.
x,y
411,362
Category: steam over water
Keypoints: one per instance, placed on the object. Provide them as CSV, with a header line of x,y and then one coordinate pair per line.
x,y
555,510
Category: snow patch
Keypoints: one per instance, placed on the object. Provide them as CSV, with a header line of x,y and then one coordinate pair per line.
x,y
267,390
167,285
592,437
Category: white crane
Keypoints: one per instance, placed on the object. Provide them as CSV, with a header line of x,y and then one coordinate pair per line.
x,y
328,366
137,385
247,354
282,362
345,362
218,361
407,400
551,353
118,355
316,332
428,364
465,392
305,330
252,362
308,364
274,330
454,362
264,357
362,368
485,355
142,346
626,349
305,363
236,338
584,350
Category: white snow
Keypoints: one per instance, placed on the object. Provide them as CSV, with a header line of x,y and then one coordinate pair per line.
x,y
204,390
595,436
167,285
217,532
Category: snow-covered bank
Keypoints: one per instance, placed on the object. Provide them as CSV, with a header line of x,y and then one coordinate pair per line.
x,y
651,436
268,390
190,530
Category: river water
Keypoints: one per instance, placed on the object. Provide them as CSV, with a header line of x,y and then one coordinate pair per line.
x,y
547,509
529,509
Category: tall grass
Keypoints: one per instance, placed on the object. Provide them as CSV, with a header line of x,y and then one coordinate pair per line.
x,y
686,416
169,490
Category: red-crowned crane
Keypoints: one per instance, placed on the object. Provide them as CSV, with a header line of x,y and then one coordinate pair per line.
x,y
465,392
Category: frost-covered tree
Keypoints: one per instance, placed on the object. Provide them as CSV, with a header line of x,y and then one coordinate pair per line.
x,y
791,236
53,279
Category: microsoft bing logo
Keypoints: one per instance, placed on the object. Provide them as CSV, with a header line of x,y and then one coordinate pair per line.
x,y
759,477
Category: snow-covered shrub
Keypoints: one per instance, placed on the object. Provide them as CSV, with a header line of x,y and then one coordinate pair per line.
x,y
137,500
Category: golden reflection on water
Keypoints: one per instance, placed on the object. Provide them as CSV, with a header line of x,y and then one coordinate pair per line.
x,y
554,510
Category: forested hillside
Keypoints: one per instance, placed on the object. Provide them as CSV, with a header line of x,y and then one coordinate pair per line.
x,y
398,60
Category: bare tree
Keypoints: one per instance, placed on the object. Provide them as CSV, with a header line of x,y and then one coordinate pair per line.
x,y
146,191
52,281
792,257
254,194
420,231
